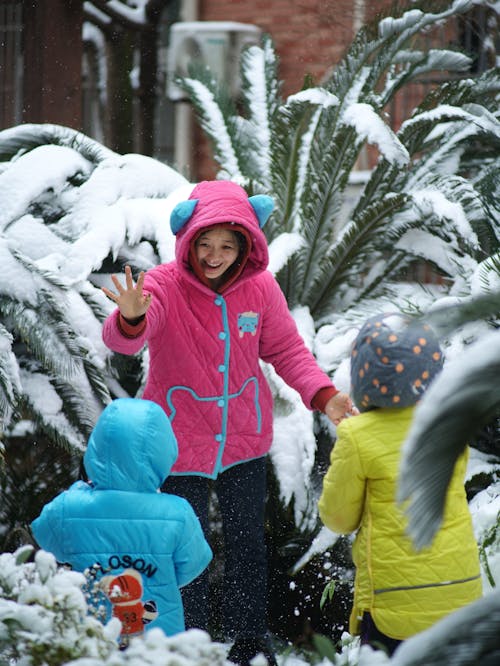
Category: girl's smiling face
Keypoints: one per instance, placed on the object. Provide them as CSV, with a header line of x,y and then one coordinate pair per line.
x,y
216,251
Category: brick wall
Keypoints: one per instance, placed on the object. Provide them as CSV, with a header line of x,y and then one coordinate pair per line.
x,y
309,36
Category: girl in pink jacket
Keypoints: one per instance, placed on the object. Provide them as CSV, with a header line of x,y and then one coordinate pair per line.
x,y
207,318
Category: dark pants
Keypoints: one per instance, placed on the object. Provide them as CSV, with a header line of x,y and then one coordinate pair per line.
x,y
241,494
370,635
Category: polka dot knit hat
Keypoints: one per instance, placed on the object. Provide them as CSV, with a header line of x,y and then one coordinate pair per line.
x,y
393,362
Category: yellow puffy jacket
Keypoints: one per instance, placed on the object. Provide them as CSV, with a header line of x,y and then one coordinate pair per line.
x,y
405,591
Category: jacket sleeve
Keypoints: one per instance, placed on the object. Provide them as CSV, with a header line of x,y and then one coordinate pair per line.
x,y
193,554
283,347
343,495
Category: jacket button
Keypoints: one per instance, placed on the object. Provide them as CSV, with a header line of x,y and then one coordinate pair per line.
x,y
218,438
222,335
221,368
218,301
220,403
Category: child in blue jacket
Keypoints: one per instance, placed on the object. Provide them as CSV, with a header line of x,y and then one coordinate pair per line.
x,y
142,545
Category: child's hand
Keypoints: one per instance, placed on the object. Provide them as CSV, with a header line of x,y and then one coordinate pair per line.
x,y
339,407
130,300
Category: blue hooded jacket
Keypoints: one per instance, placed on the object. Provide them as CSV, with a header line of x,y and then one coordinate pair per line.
x,y
144,545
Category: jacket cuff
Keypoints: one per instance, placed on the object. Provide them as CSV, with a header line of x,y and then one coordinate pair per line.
x,y
322,397
131,330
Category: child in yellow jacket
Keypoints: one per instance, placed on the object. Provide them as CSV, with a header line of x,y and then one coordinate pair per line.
x,y
398,591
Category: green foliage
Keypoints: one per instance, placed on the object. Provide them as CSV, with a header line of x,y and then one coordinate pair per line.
x,y
325,648
35,470
431,200
66,223
468,400
43,616
303,151
427,190
432,197
45,621
328,592
491,541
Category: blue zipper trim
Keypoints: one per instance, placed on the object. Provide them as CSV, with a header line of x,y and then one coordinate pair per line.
x,y
225,397
216,398
225,386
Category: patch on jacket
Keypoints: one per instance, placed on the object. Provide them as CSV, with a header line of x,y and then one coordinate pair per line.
x,y
247,323
124,592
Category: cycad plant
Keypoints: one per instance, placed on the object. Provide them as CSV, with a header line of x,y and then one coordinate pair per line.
x,y
72,211
432,197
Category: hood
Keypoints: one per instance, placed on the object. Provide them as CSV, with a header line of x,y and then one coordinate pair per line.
x,y
132,447
220,201
393,361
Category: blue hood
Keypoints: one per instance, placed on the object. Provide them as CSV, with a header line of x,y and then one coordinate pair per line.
x,y
132,447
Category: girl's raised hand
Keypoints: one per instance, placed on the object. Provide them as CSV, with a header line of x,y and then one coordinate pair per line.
x,y
131,300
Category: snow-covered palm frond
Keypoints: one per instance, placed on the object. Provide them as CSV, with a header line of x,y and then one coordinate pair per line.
x,y
72,211
437,226
43,334
294,128
371,128
449,313
22,138
344,265
487,183
457,125
488,273
460,401
10,383
260,96
381,61
48,403
35,176
218,118
315,187
50,345
426,200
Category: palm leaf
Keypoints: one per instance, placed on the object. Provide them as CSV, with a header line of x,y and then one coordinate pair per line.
x,y
260,99
343,266
23,138
218,117
10,385
59,424
466,394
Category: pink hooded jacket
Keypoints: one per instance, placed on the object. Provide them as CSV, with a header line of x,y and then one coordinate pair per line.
x,y
205,347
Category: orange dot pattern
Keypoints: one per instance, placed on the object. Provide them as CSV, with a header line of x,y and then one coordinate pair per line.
x,y
393,362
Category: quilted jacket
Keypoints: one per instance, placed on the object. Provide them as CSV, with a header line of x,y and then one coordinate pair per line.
x,y
140,540
204,347
404,591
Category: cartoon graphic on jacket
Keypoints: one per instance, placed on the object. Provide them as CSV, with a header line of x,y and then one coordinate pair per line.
x,y
124,592
143,544
219,384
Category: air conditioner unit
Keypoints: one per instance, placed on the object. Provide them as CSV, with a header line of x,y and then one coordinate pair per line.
x,y
215,44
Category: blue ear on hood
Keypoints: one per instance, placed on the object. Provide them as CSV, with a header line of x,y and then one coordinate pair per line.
x,y
263,207
181,214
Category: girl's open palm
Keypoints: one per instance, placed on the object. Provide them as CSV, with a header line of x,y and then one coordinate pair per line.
x,y
131,300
